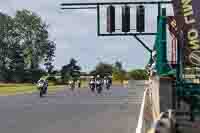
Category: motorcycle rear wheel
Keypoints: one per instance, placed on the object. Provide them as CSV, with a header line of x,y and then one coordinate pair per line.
x,y
99,90
41,94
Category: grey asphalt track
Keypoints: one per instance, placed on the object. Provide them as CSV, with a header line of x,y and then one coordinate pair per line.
x,y
64,112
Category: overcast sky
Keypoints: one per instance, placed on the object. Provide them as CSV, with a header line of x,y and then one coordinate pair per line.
x,y
75,34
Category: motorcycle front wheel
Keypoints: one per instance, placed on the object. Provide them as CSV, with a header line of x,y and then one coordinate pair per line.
x,y
99,90
41,94
92,89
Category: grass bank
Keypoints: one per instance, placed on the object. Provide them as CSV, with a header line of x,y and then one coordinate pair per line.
x,y
12,89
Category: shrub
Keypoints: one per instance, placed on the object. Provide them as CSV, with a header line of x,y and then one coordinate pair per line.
x,y
52,79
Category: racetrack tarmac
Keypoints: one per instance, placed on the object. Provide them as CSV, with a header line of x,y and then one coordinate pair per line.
x,y
65,112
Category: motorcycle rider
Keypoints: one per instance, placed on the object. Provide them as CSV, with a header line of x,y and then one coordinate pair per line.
x,y
110,81
99,84
79,83
107,82
72,85
92,84
42,85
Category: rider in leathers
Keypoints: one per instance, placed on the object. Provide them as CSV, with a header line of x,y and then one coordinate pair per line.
x,y
108,82
99,84
92,84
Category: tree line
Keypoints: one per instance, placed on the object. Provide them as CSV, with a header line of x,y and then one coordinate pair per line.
x,y
118,72
72,71
24,46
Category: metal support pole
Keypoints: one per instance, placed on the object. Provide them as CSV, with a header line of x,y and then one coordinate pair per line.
x,y
98,20
178,61
159,14
128,34
164,36
143,44
117,3
179,57
64,8
159,10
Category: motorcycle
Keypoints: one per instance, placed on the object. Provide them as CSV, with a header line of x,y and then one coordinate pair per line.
x,y
72,85
108,86
42,87
99,87
92,86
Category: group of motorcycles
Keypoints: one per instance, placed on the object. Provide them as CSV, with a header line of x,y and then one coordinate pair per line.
x,y
95,84
98,84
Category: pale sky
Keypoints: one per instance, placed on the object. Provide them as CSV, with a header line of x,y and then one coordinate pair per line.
x,y
74,32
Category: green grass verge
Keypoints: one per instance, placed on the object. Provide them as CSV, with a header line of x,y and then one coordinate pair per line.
x,y
12,89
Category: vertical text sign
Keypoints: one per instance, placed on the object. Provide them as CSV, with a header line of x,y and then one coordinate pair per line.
x,y
187,13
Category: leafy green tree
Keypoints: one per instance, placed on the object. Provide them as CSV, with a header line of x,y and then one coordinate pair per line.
x,y
65,73
138,74
33,37
118,72
50,57
119,75
74,69
24,44
34,40
7,41
118,66
102,69
71,70
17,64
